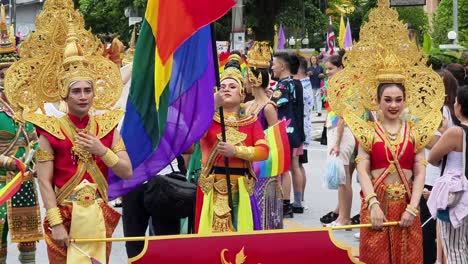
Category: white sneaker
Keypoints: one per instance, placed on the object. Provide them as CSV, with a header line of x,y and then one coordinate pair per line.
x,y
357,236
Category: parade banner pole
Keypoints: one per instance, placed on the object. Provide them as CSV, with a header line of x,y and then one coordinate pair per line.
x,y
221,117
362,226
142,238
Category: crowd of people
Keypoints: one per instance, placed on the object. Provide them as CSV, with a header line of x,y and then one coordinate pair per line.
x,y
398,125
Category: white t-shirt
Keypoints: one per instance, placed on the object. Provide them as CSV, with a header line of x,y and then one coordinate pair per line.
x,y
433,172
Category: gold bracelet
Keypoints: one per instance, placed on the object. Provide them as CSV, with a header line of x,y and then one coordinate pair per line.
x,y
370,196
411,212
110,158
372,203
424,162
411,209
244,152
54,217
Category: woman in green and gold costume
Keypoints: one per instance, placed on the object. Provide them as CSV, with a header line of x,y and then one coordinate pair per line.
x,y
19,216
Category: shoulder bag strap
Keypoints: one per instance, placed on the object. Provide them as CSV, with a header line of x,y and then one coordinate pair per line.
x,y
465,160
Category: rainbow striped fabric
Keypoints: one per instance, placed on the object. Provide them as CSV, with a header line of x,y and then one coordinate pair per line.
x,y
12,187
170,105
279,159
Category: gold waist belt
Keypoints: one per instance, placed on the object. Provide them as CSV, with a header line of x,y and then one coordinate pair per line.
x,y
395,191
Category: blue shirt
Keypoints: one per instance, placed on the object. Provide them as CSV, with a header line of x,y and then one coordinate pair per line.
x,y
314,78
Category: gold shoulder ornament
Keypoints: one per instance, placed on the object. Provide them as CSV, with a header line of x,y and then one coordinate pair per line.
x,y
50,124
390,57
108,121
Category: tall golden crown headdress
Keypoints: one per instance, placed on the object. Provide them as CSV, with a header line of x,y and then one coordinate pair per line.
x,y
385,54
38,76
259,55
7,46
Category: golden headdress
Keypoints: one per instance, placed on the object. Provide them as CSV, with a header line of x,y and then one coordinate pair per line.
x,y
7,45
235,74
259,56
385,54
128,58
59,51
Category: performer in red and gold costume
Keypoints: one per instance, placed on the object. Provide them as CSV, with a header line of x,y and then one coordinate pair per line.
x,y
77,150
395,82
245,143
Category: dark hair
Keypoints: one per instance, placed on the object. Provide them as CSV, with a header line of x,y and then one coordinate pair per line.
x,y
302,64
233,63
451,86
381,88
285,58
336,60
295,63
265,76
462,99
458,72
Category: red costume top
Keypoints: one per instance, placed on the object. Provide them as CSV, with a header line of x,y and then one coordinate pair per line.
x,y
246,132
73,165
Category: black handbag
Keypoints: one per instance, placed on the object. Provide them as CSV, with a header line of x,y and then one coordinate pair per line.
x,y
170,195
304,158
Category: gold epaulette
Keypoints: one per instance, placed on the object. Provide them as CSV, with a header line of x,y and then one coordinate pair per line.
x,y
50,124
422,131
108,121
244,121
362,130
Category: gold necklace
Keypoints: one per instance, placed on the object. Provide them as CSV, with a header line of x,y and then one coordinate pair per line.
x,y
394,139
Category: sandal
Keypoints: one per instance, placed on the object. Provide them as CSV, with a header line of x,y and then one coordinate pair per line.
x,y
328,218
356,220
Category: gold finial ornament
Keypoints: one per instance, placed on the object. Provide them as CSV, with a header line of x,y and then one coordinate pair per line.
x,y
7,47
385,54
259,55
128,58
52,51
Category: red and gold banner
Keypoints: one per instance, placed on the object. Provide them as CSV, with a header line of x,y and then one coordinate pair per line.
x,y
265,247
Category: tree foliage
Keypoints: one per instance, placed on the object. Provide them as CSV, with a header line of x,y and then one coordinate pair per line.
x,y
443,22
107,16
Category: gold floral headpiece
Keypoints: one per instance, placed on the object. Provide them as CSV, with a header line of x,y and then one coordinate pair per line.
x,y
236,75
385,54
38,76
235,57
7,46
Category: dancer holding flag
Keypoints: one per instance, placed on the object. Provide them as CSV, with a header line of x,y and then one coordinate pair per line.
x,y
391,161
245,143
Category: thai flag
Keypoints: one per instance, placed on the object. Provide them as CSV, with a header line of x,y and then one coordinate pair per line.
x,y
330,39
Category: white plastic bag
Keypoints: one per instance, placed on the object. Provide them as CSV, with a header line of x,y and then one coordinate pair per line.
x,y
334,174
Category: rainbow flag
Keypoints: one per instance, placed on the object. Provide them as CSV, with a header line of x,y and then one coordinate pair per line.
x,y
223,59
279,159
14,185
170,104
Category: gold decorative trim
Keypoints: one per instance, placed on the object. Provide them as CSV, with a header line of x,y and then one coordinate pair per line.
x,y
43,155
119,146
50,124
108,121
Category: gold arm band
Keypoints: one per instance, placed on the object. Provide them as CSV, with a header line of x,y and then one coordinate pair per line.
x,y
44,155
370,196
360,159
424,162
6,162
110,158
243,152
54,217
119,146
261,142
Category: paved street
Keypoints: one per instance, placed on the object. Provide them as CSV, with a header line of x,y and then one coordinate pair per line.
x,y
318,201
